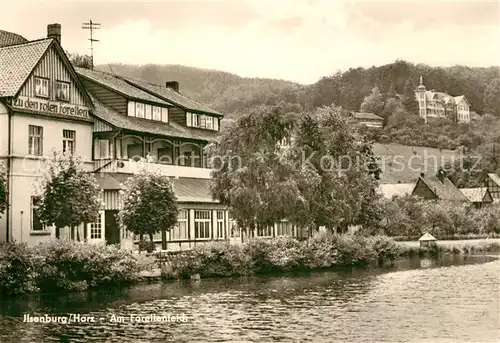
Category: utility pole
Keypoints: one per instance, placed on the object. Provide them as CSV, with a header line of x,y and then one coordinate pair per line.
x,y
91,26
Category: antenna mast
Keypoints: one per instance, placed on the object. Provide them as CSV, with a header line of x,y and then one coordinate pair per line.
x,y
91,26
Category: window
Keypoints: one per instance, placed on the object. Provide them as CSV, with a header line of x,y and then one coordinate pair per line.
x,y
139,110
62,91
157,113
202,121
166,155
35,140
41,87
69,141
221,224
131,109
164,115
233,227
265,231
95,231
135,151
103,149
196,120
202,224
180,231
36,223
148,111
284,228
210,123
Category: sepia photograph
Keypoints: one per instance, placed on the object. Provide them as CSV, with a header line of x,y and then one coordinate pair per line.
x,y
242,171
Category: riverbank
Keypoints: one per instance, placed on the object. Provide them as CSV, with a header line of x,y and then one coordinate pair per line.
x,y
322,251
71,266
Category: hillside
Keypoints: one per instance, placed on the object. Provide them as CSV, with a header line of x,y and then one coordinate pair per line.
x,y
403,164
235,95
231,94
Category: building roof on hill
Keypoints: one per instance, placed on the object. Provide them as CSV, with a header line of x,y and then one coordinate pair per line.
x,y
10,38
495,178
171,96
479,194
187,189
170,129
444,97
17,62
119,85
390,190
444,190
366,115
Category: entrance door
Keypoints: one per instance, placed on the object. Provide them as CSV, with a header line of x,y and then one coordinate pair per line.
x,y
112,229
96,231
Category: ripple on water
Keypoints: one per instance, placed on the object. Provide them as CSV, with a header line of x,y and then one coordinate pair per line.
x,y
449,304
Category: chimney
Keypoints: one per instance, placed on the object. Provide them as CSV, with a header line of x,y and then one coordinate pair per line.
x,y
441,175
54,31
173,85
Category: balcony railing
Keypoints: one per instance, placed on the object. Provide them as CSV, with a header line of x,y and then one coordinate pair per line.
x,y
130,167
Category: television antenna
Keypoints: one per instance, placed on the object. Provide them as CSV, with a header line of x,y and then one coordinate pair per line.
x,y
91,26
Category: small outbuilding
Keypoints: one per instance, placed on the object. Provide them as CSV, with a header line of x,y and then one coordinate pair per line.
x,y
427,241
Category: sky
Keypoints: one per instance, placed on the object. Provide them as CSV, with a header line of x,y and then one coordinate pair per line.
x,y
296,40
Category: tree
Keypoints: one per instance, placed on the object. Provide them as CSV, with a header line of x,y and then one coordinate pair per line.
x,y
81,61
326,174
409,101
149,203
492,97
3,190
373,103
70,195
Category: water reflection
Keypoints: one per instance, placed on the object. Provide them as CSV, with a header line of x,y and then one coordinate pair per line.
x,y
355,305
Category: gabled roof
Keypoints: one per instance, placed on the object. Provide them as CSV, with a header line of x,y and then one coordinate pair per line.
x,y
10,38
366,115
444,97
171,96
444,190
118,85
479,194
170,129
495,178
390,190
17,62
187,189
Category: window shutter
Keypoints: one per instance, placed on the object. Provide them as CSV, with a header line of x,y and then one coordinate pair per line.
x,y
189,119
216,124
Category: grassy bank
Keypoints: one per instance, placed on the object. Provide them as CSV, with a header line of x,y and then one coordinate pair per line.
x,y
469,246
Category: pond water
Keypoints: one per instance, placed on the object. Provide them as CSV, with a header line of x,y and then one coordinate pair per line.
x,y
416,300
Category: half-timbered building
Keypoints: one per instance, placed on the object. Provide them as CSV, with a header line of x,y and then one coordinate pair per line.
x,y
492,182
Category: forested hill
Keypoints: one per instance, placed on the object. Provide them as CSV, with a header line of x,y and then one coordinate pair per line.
x,y
234,95
229,93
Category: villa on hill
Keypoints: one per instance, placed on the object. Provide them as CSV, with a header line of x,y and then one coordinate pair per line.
x,y
433,104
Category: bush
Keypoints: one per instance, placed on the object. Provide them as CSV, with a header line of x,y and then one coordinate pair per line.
x,y
147,245
19,268
283,254
67,266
